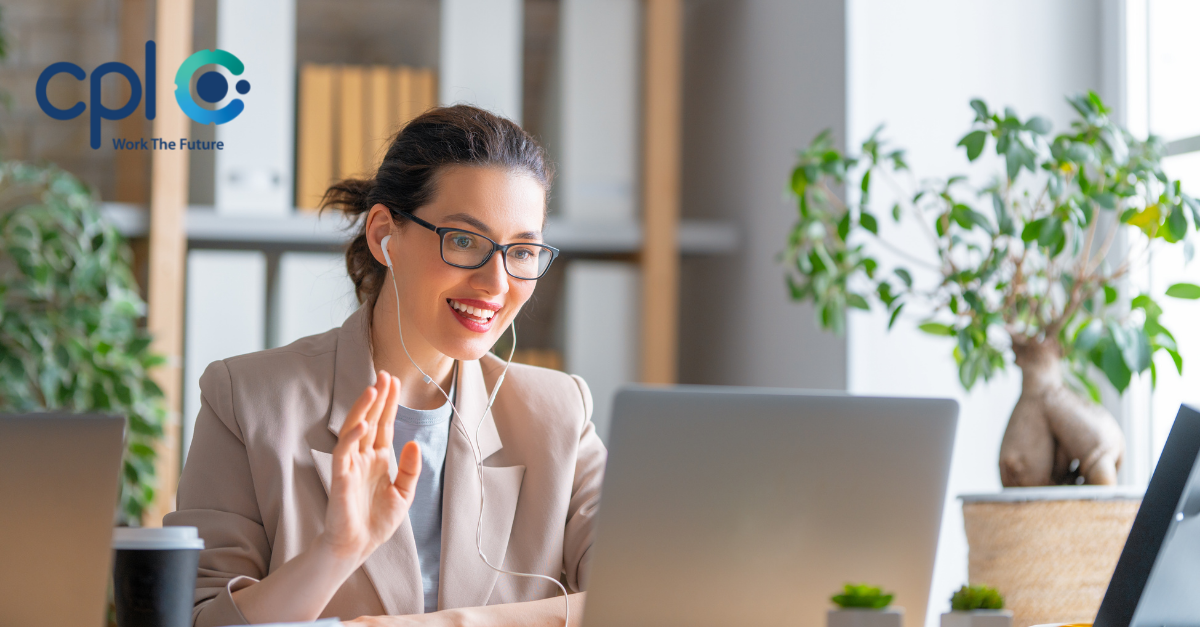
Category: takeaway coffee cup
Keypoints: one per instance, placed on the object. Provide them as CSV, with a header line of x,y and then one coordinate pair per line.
x,y
154,575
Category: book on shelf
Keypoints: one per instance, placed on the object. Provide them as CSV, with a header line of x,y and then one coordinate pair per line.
x,y
351,136
314,145
380,119
347,116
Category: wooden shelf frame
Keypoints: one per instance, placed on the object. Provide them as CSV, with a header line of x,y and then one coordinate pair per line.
x,y
205,228
661,167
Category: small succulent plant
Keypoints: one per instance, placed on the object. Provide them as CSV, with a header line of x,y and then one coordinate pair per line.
x,y
976,598
862,596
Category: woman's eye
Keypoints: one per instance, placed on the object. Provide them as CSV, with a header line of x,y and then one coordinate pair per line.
x,y
521,253
462,241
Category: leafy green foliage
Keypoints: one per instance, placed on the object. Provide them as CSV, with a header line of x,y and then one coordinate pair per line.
x,y
3,38
862,596
1025,259
969,598
69,317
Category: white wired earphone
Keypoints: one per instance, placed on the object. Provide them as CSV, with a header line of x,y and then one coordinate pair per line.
x,y
475,452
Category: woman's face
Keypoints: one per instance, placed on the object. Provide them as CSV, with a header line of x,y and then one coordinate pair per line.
x,y
458,312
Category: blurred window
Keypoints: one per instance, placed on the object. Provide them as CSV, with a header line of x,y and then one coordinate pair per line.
x,y
1173,108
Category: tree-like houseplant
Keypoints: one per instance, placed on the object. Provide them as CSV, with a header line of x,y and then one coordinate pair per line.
x,y
1025,269
862,605
70,338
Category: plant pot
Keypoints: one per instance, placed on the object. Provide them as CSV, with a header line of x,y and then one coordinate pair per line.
x,y
1051,550
978,618
886,617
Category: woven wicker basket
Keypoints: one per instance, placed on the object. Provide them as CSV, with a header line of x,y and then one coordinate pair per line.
x,y
1050,551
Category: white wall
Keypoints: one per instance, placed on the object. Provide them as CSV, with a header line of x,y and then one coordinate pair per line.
x,y
915,66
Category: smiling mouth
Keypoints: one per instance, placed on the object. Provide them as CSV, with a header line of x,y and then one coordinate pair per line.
x,y
474,314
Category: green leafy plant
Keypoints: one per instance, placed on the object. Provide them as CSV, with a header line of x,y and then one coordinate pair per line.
x,y
969,598
1027,257
862,596
70,338
1024,265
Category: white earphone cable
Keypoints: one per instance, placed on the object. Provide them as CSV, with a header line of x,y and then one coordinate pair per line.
x,y
475,450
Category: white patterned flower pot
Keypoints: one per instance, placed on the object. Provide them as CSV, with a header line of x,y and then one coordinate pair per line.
x,y
886,617
978,618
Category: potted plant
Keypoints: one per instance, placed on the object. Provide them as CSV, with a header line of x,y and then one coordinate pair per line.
x,y
70,337
862,605
1031,268
1026,270
977,606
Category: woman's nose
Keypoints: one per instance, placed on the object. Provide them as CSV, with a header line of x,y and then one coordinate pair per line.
x,y
491,277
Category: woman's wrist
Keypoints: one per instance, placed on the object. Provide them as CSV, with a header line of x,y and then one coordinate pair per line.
x,y
341,560
460,617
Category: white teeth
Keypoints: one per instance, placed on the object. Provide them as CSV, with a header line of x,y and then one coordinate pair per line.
x,y
478,312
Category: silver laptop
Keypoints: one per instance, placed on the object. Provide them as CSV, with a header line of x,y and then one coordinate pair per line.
x,y
58,494
733,506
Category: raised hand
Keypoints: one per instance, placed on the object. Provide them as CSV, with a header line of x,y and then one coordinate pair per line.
x,y
365,505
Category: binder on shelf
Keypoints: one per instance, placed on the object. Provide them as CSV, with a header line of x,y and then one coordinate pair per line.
x,y
424,92
348,114
217,327
380,120
314,161
351,134
254,174
402,81
601,335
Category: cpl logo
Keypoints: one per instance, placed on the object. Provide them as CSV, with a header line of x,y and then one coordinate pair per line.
x,y
212,87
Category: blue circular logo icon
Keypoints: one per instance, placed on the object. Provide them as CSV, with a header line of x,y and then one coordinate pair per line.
x,y
211,87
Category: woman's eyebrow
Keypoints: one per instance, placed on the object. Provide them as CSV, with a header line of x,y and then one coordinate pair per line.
x,y
478,224
469,219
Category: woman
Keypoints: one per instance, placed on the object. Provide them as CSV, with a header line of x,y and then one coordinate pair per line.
x,y
288,475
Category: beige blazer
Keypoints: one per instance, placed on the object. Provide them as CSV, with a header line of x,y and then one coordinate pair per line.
x,y
258,473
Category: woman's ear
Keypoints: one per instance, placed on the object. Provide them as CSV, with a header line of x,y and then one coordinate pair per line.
x,y
379,225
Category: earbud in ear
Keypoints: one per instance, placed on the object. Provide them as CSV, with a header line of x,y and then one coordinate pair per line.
x,y
384,244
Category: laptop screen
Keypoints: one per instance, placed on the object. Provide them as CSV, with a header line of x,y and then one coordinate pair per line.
x,y
1156,577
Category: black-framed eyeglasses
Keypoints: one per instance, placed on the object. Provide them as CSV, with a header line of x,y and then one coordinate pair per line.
x,y
467,249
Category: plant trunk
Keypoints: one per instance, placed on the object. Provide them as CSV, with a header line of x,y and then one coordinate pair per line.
x,y
1056,436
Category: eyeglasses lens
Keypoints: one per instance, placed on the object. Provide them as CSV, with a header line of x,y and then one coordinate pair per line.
x,y
523,261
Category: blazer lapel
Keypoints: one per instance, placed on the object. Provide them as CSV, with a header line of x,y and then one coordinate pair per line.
x,y
466,581
393,568
353,369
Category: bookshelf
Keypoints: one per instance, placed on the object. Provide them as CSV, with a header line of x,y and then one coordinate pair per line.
x,y
305,230
606,104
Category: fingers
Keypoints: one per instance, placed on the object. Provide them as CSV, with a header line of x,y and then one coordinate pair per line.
x,y
408,471
383,382
354,416
387,425
353,430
